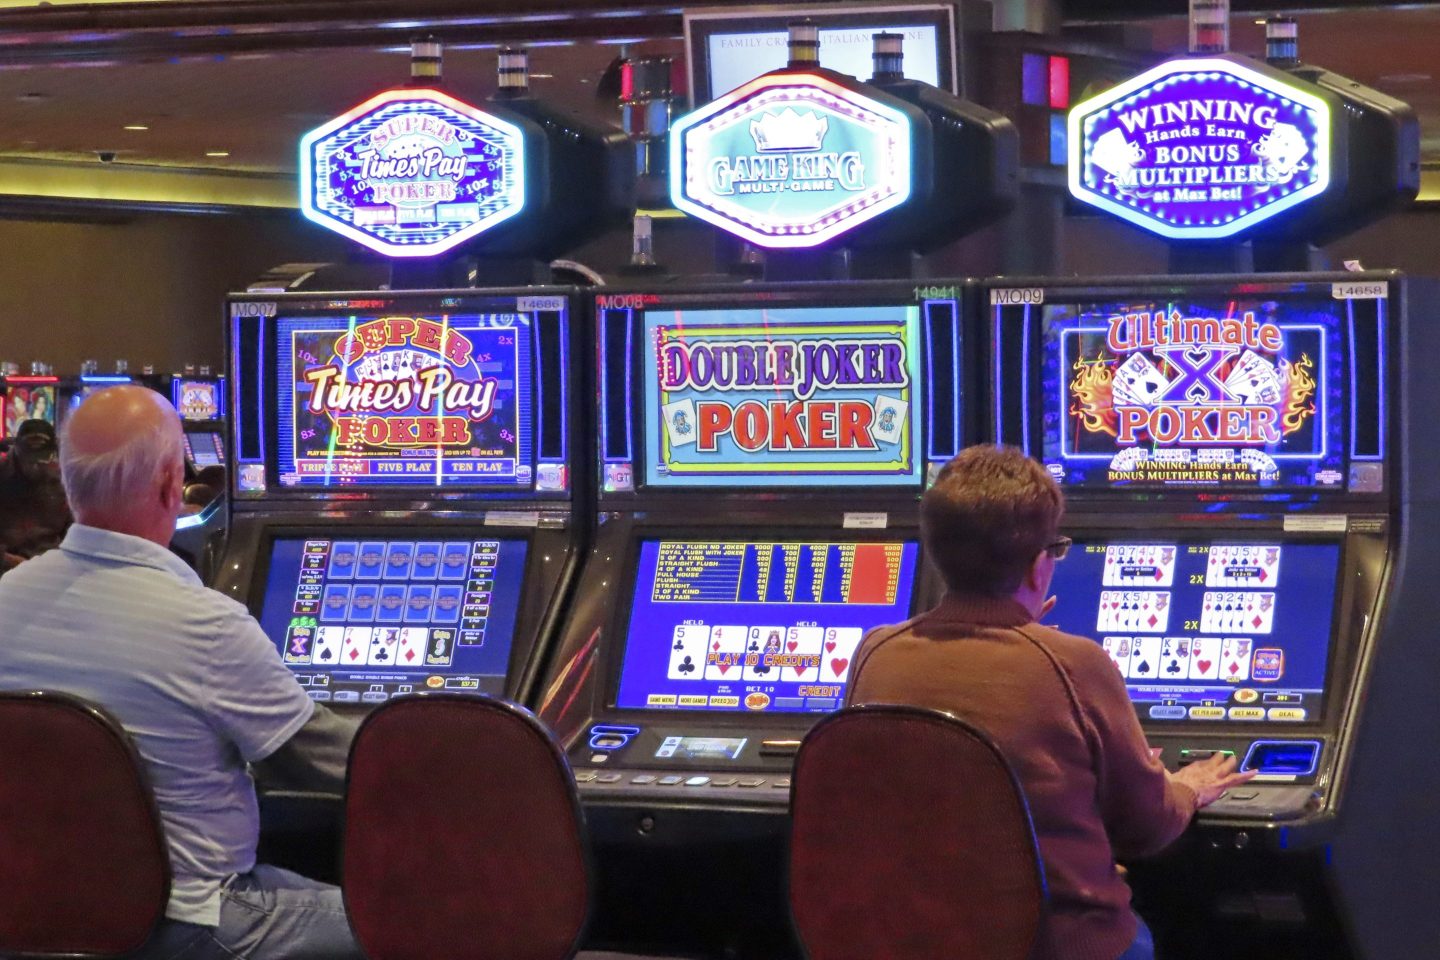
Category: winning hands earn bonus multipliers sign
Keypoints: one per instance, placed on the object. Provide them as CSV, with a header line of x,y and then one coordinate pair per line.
x,y
1175,394
1200,148
782,397
412,173
790,160
405,400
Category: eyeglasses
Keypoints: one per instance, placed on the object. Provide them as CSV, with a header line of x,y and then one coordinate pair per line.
x,y
1059,548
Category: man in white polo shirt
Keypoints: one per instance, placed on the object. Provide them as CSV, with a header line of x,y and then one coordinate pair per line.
x,y
113,616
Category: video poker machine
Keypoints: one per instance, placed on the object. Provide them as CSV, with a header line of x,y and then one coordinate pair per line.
x,y
762,449
1243,477
200,401
408,508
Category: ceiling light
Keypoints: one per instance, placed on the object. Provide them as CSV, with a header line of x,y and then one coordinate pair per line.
x,y
136,126
542,76
217,153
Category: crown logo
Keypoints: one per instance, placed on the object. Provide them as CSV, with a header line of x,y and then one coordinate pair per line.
x,y
789,130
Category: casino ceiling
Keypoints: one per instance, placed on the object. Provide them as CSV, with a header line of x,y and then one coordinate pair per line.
x,y
202,103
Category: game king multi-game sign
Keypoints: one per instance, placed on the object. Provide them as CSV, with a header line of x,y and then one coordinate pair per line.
x,y
782,397
1232,394
405,399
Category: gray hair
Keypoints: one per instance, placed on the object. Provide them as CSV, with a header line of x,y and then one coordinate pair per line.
x,y
117,478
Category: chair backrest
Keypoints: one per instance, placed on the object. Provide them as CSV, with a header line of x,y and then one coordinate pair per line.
x,y
464,836
910,840
84,870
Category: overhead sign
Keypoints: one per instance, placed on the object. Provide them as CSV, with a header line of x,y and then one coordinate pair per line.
x,y
790,160
412,173
1200,148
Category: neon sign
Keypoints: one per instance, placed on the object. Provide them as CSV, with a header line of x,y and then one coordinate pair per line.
x,y
790,160
412,173
1200,148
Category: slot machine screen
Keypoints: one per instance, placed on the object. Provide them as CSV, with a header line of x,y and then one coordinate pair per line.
x,y
756,625
205,448
782,396
359,619
1220,630
394,392
1266,387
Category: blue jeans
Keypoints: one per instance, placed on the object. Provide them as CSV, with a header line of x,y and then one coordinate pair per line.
x,y
267,914
1143,946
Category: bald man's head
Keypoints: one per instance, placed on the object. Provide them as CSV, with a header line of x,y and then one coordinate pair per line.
x,y
122,460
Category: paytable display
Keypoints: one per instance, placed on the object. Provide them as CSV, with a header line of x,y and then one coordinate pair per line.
x,y
757,626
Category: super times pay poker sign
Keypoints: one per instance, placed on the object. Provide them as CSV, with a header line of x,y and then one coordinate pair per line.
x,y
412,173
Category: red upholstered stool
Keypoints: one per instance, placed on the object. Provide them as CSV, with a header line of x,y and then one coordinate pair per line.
x,y
910,840
463,835
84,870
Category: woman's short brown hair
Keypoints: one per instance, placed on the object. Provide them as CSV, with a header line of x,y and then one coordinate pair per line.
x,y
989,514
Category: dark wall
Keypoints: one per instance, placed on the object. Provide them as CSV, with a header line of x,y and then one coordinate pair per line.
x,y
149,289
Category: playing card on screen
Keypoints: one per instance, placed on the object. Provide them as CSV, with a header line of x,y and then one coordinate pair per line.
x,y
680,422
356,648
1205,658
1254,380
889,419
725,653
763,648
838,653
687,651
1235,654
1175,658
328,642
411,651
383,645
1145,658
802,646
1138,381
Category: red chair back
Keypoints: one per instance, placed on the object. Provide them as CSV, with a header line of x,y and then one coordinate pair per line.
x,y
84,870
910,840
464,837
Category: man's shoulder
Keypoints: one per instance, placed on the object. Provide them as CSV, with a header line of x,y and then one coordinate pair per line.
x,y
128,588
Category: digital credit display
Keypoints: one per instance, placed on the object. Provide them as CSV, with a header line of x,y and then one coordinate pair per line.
x,y
1221,630
405,399
359,620
756,625
782,397
1239,393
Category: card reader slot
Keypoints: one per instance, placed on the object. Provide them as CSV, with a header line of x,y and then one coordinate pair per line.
x,y
1283,758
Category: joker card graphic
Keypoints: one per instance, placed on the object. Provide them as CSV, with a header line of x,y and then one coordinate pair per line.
x,y
1162,394
406,399
796,396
